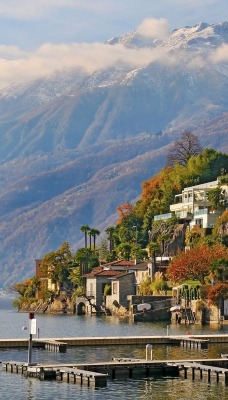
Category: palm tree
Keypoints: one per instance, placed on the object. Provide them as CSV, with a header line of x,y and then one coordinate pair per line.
x,y
109,231
93,232
85,229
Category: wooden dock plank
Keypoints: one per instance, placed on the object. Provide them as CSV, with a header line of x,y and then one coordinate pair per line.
x,y
126,340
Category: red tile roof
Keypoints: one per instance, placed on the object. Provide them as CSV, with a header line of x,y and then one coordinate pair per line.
x,y
119,263
108,272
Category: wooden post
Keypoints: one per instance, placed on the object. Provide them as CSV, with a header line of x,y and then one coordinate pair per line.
x,y
30,349
185,373
209,376
193,374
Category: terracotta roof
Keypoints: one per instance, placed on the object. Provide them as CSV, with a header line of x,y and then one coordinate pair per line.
x,y
107,272
118,262
122,274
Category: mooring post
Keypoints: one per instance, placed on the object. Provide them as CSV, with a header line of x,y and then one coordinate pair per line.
x,y
149,347
30,350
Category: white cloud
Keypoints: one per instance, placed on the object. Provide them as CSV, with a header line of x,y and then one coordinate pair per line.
x,y
153,28
220,54
16,65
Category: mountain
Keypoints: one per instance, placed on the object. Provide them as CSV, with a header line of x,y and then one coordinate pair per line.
x,y
75,146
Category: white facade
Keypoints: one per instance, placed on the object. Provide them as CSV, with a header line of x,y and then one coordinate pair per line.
x,y
193,205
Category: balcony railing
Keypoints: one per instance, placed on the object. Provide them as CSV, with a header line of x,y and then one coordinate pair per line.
x,y
184,215
163,216
202,211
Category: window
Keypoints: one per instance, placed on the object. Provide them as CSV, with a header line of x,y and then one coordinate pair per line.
x,y
114,288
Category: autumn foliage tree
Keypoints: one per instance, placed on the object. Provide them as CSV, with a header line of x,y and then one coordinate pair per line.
x,y
124,210
196,263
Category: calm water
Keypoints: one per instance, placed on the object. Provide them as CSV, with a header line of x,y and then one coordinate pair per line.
x,y
21,388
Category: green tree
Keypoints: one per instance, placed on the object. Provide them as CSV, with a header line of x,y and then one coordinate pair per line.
x,y
138,253
109,232
153,249
56,264
217,198
124,250
85,229
93,233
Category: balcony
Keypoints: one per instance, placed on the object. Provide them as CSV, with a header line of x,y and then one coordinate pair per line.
x,y
184,215
202,211
163,216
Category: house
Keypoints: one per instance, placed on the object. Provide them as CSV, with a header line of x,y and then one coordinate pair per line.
x,y
122,285
193,206
96,281
123,277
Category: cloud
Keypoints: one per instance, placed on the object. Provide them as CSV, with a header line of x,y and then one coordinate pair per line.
x,y
153,28
219,55
16,65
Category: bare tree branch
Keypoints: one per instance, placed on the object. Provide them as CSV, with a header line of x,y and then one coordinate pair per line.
x,y
182,149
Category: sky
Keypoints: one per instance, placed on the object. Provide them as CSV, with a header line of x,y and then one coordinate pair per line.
x,y
39,37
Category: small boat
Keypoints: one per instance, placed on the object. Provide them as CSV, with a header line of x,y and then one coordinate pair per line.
x,y
175,308
144,307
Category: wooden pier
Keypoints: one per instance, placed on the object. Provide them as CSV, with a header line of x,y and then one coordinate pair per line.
x,y
52,345
96,374
191,342
195,341
65,373
208,370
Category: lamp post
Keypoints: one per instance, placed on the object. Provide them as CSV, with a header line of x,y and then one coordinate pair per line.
x,y
136,233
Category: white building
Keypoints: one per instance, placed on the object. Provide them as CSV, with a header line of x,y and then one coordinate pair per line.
x,y
192,205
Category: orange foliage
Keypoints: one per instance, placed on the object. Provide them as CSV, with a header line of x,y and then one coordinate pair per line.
x,y
216,292
195,263
150,187
124,211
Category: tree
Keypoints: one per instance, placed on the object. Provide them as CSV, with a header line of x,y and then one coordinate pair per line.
x,y
217,293
125,210
85,229
153,248
183,149
138,253
124,250
56,264
217,198
145,287
85,259
196,263
109,231
94,233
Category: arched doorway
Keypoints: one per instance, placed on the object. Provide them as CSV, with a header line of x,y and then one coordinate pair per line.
x,y
80,308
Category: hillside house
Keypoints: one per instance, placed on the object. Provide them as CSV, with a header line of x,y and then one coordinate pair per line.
x,y
192,206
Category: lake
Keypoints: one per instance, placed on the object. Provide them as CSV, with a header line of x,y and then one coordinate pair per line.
x,y
13,385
